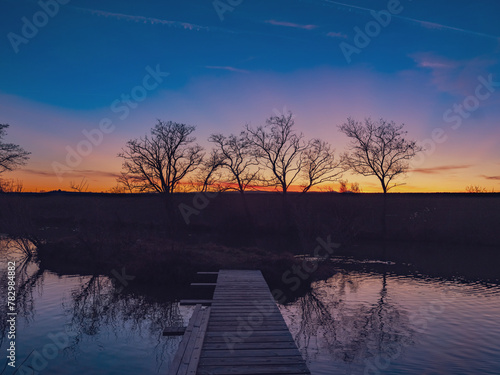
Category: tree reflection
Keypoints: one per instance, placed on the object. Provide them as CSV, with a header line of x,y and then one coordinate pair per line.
x,y
97,306
327,322
29,277
100,303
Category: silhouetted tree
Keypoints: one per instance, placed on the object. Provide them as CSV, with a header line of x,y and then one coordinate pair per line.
x,y
161,161
475,189
236,158
378,149
210,176
355,187
319,164
11,186
279,148
343,188
11,156
128,184
80,187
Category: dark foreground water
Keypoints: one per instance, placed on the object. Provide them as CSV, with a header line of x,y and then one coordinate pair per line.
x,y
359,321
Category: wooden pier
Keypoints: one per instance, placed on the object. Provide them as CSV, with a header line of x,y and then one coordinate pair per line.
x,y
241,331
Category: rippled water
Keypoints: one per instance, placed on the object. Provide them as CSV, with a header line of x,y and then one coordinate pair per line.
x,y
355,322
380,323
86,325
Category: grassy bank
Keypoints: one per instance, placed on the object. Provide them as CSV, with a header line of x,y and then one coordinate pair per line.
x,y
446,218
99,233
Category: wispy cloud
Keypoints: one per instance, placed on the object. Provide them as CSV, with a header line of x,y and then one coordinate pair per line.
x,y
229,68
332,34
490,177
38,172
94,172
72,173
290,24
426,24
434,64
442,168
145,20
457,77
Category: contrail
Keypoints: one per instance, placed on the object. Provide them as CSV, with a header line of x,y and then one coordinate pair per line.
x,y
146,20
426,24
177,24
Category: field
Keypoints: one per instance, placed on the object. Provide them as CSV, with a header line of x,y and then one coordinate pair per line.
x,y
99,232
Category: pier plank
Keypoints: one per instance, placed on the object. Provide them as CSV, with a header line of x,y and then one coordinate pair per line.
x,y
244,332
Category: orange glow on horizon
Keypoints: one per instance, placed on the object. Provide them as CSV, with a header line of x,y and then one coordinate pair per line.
x,y
105,184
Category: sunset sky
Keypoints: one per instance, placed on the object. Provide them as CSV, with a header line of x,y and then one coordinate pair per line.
x,y
433,65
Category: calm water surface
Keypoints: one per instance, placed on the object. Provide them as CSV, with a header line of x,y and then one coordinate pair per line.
x,y
355,322
371,323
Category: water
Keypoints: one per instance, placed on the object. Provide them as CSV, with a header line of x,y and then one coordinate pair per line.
x,y
380,323
358,321
86,324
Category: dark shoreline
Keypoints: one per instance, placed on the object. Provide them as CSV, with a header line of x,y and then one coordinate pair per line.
x,y
93,233
451,218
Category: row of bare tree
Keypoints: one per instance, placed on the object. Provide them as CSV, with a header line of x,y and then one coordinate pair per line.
x,y
273,156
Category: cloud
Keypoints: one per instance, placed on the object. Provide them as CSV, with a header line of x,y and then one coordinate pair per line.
x,y
434,64
290,24
71,173
145,20
490,177
229,68
458,77
439,169
38,172
332,34
93,172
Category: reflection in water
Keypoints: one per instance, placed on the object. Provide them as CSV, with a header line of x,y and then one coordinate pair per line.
x,y
326,320
361,322
106,328
29,278
99,303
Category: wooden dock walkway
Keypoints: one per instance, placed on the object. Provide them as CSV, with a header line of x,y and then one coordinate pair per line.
x,y
243,332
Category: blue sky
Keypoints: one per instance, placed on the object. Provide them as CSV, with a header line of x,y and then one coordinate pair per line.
x,y
261,57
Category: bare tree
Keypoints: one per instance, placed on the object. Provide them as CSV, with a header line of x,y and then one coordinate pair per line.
x,y
160,162
279,148
355,187
11,186
319,164
210,175
80,187
378,149
343,187
118,189
476,189
11,156
237,158
131,184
